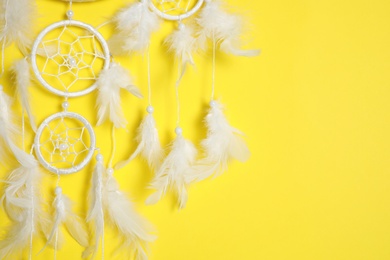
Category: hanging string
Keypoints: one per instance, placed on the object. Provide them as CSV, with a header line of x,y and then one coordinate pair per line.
x,y
178,97
149,80
113,146
213,73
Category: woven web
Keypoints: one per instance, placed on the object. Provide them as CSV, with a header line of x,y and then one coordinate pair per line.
x,y
74,56
62,145
174,7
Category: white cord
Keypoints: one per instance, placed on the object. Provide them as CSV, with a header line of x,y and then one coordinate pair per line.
x,y
213,76
149,80
113,146
178,98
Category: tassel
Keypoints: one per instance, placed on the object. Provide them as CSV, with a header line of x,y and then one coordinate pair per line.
x,y
134,230
149,146
21,70
222,27
63,215
95,212
182,44
222,144
135,24
109,84
16,20
174,170
22,203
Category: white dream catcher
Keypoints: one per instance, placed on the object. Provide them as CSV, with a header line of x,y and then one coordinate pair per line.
x,y
208,24
70,59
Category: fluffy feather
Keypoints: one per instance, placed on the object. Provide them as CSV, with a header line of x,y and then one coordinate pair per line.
x,y
134,24
182,43
223,143
222,27
135,231
149,146
63,215
109,103
95,213
173,172
21,70
22,203
16,18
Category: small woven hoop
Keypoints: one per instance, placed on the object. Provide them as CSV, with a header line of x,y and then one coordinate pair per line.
x,y
86,160
176,17
54,26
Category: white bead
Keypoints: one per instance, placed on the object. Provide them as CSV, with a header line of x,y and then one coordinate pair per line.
x,y
72,62
181,26
213,103
99,157
150,109
110,171
58,190
70,14
63,147
65,105
178,130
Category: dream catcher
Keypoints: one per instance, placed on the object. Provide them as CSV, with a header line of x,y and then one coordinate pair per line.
x,y
70,59
200,25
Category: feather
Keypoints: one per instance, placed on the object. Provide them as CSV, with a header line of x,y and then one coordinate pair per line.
x,y
149,146
21,70
219,26
134,25
182,43
223,143
173,171
109,104
63,215
95,213
22,203
16,20
135,231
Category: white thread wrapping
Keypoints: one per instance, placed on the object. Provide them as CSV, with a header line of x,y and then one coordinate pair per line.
x,y
170,17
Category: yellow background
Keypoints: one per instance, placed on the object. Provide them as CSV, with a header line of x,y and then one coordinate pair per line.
x,y
315,109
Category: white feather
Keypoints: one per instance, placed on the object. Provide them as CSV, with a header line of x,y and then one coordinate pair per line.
x,y
22,203
95,213
223,143
224,28
173,172
109,85
21,70
134,230
149,146
183,43
63,215
16,18
134,25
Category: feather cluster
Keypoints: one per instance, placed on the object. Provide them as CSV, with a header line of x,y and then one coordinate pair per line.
x,y
149,146
174,171
134,24
223,28
222,144
21,70
22,203
63,215
16,18
109,83
134,230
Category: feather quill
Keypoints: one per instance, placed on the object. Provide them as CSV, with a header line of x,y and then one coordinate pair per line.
x,y
223,143
135,231
21,70
22,203
134,25
16,20
63,215
223,28
149,146
109,85
173,172
95,213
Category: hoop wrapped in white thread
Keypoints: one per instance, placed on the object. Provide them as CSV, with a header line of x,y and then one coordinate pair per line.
x,y
178,17
65,23
74,168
